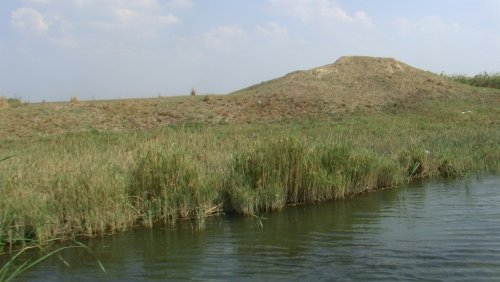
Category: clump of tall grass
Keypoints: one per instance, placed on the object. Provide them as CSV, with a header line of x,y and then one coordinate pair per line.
x,y
355,171
166,184
290,171
414,161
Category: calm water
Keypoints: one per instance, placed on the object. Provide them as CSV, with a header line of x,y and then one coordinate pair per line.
x,y
431,231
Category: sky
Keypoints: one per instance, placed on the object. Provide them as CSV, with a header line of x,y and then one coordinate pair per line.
x,y
108,49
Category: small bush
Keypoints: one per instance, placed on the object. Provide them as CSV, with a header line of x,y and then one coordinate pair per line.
x,y
10,102
74,100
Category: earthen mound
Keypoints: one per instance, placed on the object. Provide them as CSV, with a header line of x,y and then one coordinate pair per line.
x,y
350,83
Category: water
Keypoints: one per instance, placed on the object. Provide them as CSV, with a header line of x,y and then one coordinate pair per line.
x,y
432,231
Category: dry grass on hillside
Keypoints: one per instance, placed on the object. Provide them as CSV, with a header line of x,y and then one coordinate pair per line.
x,y
358,82
350,84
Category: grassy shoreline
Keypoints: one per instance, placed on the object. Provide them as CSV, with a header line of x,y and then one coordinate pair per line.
x,y
95,182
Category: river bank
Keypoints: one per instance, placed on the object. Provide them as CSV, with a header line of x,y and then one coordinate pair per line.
x,y
95,182
421,231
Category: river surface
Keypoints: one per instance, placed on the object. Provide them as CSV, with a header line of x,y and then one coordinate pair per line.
x,y
436,230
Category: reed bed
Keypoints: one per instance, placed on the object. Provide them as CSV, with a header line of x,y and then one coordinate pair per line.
x,y
490,80
95,183
290,171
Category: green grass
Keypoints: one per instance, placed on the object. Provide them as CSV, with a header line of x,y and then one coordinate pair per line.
x,y
490,80
291,171
166,183
99,182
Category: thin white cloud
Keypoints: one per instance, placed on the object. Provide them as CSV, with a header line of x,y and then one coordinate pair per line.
x,y
64,42
129,18
82,3
54,29
324,10
168,19
29,20
106,4
180,4
37,1
224,37
430,24
125,14
363,18
272,30
61,33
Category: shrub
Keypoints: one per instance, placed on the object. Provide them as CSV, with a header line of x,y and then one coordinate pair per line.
x,y
10,102
74,100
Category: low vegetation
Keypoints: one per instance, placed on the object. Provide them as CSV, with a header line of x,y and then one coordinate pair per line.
x,y
99,182
10,102
73,100
491,80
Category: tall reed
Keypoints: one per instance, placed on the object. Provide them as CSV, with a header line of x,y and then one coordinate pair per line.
x,y
290,171
166,184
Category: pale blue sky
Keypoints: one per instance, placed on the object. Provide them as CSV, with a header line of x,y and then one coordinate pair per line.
x,y
103,49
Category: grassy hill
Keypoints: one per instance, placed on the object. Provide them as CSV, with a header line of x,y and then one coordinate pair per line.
x,y
358,82
350,84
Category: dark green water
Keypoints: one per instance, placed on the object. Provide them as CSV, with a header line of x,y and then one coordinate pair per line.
x,y
430,231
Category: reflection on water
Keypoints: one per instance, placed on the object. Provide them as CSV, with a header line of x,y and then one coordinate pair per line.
x,y
436,230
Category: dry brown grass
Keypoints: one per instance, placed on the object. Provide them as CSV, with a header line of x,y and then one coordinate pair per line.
x,y
353,82
74,100
3,102
208,98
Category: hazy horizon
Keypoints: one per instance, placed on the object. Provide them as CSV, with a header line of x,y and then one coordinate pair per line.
x,y
109,49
